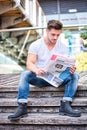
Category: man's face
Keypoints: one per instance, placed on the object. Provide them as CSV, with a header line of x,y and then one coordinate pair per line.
x,y
52,35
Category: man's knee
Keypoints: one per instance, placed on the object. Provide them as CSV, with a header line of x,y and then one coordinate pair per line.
x,y
24,75
75,76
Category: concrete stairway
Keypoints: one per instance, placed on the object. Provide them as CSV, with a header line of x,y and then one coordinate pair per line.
x,y
43,106
11,15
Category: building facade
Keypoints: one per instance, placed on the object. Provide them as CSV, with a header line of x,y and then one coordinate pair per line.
x,y
69,12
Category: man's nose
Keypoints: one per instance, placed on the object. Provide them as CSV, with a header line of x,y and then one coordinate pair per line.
x,y
55,37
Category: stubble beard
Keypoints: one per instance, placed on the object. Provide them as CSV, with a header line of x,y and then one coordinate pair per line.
x,y
53,41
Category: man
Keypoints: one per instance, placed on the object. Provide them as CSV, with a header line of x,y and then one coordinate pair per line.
x,y
39,54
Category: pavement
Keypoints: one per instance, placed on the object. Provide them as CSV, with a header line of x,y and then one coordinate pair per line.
x,y
83,78
6,79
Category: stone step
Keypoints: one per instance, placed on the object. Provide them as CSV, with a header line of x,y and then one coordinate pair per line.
x,y
11,91
13,87
42,127
55,101
45,119
47,105
13,79
41,109
39,94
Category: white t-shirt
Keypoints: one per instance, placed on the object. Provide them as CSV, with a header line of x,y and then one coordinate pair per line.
x,y
40,49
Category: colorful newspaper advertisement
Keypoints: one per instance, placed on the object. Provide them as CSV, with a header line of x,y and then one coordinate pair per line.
x,y
58,69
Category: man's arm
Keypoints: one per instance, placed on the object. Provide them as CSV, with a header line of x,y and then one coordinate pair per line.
x,y
31,60
31,64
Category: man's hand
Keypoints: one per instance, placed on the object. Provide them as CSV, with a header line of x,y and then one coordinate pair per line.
x,y
72,69
40,71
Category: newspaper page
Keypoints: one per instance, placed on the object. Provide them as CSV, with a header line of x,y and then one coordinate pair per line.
x,y
58,69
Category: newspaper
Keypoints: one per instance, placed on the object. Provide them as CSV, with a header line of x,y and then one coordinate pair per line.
x,y
58,69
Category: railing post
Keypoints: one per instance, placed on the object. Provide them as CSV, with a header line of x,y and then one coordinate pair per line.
x,y
27,8
39,20
34,12
44,22
28,33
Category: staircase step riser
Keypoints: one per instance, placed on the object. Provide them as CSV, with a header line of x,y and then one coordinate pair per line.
x,y
46,119
41,94
42,127
11,88
42,102
40,109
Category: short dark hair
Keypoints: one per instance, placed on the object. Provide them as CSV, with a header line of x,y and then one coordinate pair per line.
x,y
54,24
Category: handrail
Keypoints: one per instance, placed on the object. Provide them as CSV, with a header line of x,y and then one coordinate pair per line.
x,y
20,29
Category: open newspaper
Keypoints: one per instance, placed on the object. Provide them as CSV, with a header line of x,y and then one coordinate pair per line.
x,y
58,69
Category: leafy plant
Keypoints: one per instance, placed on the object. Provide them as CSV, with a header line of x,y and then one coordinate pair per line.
x,y
67,34
83,35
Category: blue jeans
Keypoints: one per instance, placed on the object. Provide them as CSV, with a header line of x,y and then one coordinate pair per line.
x,y
28,78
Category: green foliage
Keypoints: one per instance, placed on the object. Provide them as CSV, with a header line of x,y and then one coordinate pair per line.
x,y
85,45
83,35
67,34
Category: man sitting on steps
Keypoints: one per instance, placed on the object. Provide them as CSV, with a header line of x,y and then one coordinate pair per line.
x,y
39,53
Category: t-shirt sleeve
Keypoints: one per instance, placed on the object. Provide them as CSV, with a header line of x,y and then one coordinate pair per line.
x,y
33,48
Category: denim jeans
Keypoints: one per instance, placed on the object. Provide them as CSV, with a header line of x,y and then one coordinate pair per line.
x,y
27,78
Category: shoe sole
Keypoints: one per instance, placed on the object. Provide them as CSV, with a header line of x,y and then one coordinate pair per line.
x,y
18,118
66,114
